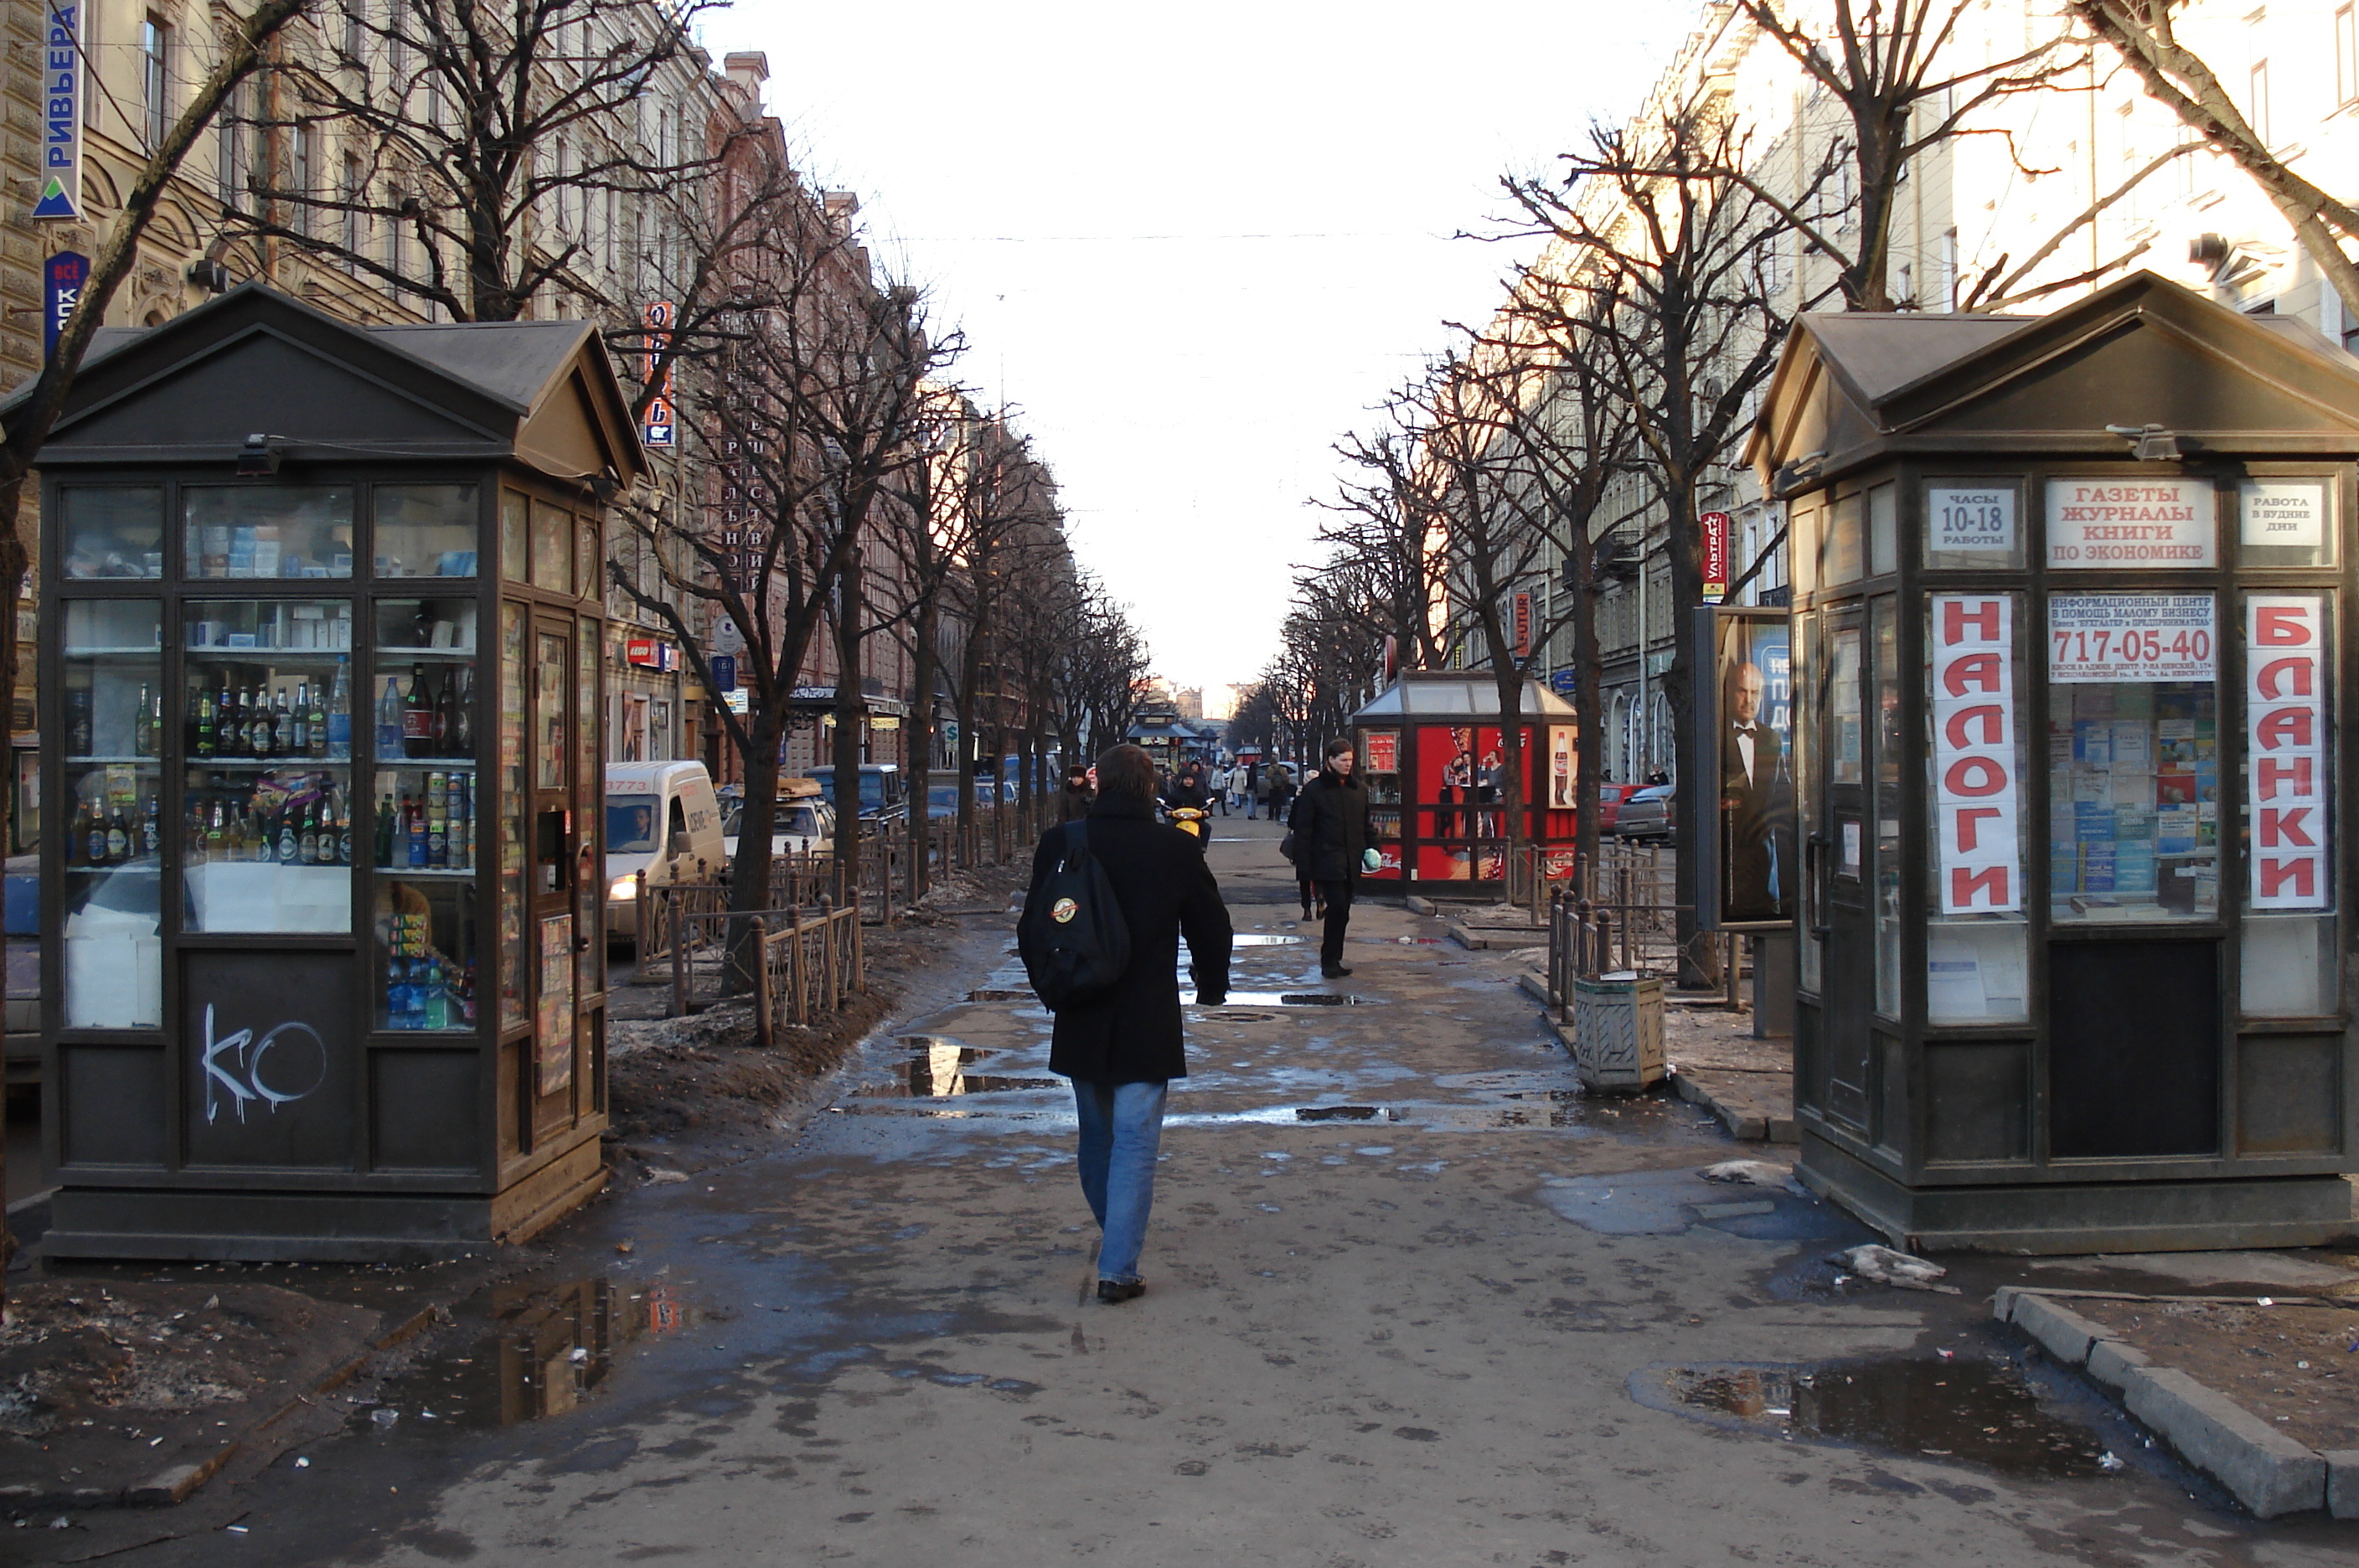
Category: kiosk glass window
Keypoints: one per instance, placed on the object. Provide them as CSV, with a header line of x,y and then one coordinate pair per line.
x,y
110,811
1840,553
1379,766
2133,757
515,531
2290,957
425,530
1977,933
1973,525
267,530
1802,547
2286,522
512,800
426,788
267,715
112,530
1884,653
552,548
1808,711
1883,528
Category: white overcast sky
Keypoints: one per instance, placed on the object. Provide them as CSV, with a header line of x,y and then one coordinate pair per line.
x,y
1193,245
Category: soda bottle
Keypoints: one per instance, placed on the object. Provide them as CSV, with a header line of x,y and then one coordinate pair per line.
x,y
340,711
417,716
436,1008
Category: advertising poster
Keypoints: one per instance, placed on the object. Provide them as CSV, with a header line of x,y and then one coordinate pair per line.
x,y
553,1036
1759,866
1978,796
1563,777
2284,714
1458,768
2099,639
2105,523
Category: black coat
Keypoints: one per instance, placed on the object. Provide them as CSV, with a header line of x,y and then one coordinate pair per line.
x,y
1331,828
1131,1035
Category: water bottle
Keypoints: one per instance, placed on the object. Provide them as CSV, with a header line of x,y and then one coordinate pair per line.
x,y
388,720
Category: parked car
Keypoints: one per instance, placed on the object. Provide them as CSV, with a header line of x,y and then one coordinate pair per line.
x,y
883,794
804,821
1610,797
662,818
1647,813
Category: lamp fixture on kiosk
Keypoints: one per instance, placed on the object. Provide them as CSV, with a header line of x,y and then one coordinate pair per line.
x,y
258,459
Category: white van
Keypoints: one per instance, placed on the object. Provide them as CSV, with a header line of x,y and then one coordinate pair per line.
x,y
662,818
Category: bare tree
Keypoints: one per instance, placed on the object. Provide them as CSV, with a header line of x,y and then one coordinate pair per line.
x,y
27,418
1649,224
1387,540
486,153
2175,76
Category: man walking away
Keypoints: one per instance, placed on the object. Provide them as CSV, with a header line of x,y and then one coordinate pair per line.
x,y
1250,773
1330,837
1122,1047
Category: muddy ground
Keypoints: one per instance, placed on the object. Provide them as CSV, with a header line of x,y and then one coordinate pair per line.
x,y
2295,1366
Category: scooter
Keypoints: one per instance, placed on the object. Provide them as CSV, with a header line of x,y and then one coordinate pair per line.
x,y
1194,820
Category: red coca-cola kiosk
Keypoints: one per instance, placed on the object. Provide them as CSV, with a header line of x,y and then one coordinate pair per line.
x,y
1432,753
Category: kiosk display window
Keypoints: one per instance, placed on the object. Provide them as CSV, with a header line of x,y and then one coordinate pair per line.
x,y
2133,757
1380,765
1809,708
266,717
1977,931
113,530
113,703
426,954
425,530
511,825
267,530
425,791
1884,663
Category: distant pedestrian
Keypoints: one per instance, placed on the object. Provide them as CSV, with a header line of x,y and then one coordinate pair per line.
x,y
1252,787
1313,907
1074,800
1330,837
1122,1047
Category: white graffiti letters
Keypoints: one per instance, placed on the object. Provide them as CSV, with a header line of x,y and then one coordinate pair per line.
x,y
242,1078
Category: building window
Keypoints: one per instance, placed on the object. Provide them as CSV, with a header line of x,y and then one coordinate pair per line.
x,y
2256,50
154,56
235,135
354,192
303,149
2346,56
91,94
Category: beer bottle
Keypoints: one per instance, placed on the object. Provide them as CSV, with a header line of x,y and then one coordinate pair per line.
x,y
315,727
295,723
142,741
384,830
285,740
462,715
151,828
290,848
203,739
417,716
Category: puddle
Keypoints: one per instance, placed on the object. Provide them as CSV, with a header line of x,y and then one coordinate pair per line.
x,y
1263,939
934,1046
1671,1203
1977,1411
1336,1113
998,994
547,1347
1294,999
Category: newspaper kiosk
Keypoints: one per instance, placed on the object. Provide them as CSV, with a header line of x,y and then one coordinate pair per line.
x,y
323,608
2070,683
1432,755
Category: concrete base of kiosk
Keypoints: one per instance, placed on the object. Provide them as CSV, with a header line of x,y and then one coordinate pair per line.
x,y
2143,1215
317,1227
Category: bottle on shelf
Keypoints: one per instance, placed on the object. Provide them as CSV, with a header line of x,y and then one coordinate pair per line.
x,y
340,709
307,835
295,721
434,1010
417,716
154,719
314,722
142,740
151,827
388,720
237,738
201,741
462,715
217,834
385,819
118,837
289,847
413,830
78,723
344,832
285,739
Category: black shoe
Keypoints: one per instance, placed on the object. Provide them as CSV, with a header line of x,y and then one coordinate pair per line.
x,y
1114,1292
1305,911
1333,971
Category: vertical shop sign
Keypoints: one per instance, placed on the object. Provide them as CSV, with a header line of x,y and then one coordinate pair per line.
x,y
660,426
61,87
62,276
2285,716
1976,793
1714,527
1523,626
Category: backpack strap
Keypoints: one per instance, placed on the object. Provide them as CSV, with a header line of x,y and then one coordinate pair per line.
x,y
1077,839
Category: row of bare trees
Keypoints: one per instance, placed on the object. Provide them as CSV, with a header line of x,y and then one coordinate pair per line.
x,y
1571,438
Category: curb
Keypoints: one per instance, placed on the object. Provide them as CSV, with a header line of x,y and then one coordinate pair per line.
x,y
2261,1467
179,1483
1485,939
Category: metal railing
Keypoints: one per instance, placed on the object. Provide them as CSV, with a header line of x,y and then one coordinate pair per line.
x,y
1621,915
810,963
797,877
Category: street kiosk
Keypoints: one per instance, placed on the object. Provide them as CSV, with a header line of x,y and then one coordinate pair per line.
x,y
2070,690
323,607
1430,753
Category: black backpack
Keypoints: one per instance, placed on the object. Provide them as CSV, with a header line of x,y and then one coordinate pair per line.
x,y
1074,941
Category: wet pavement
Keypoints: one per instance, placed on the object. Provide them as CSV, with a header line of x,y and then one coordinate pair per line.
x,y
1413,1300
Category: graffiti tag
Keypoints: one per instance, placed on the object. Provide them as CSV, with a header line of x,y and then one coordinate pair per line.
x,y
233,1067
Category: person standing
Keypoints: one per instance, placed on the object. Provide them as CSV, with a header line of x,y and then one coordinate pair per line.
x,y
1074,800
1252,772
1314,906
1122,1047
1331,841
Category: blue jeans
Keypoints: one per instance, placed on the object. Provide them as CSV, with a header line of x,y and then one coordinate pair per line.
x,y
1122,1125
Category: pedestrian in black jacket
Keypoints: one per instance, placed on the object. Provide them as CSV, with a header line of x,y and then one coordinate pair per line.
x,y
1075,801
1330,844
1123,1048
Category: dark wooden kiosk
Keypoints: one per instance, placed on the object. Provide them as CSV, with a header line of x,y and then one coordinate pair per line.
x,y
2071,582
1430,752
323,613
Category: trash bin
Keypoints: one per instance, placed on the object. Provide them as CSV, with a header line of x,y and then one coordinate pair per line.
x,y
1617,1032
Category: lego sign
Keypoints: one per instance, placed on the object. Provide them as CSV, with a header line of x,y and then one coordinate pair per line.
x,y
61,89
650,653
1714,527
1976,792
2285,720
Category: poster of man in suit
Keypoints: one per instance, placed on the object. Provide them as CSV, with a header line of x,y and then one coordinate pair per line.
x,y
1759,869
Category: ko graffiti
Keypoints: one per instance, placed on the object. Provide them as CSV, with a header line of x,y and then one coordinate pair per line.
x,y
282,1067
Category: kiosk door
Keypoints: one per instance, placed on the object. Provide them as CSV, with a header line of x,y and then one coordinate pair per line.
x,y
1838,870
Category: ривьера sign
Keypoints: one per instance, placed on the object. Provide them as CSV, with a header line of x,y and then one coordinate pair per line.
x,y
61,115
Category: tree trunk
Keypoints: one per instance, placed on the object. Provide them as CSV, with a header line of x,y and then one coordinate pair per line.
x,y
1589,739
851,705
749,873
919,728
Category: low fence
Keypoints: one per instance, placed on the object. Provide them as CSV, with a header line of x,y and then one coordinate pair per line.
x,y
793,963
797,877
1620,915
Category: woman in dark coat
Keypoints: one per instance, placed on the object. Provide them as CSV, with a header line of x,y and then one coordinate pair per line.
x,y
1075,801
1123,1048
1330,844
